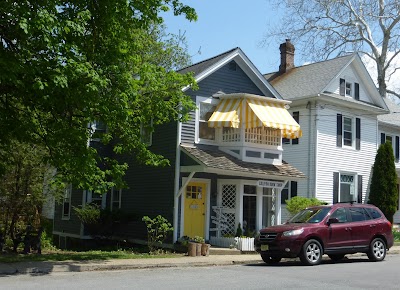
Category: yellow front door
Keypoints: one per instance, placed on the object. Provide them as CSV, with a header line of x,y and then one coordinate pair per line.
x,y
195,197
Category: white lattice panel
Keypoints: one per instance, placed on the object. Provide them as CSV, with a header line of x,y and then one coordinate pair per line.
x,y
229,196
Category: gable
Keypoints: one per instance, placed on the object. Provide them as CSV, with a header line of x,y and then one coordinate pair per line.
x,y
228,79
351,84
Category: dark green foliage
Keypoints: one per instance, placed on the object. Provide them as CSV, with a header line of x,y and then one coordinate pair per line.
x,y
102,223
239,231
158,229
383,190
67,64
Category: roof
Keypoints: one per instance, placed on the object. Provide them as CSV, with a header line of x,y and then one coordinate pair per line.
x,y
203,69
213,158
296,82
393,118
199,67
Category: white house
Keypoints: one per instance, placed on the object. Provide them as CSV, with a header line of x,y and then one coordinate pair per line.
x,y
336,104
389,130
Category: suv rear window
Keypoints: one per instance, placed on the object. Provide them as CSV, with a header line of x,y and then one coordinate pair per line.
x,y
358,214
373,212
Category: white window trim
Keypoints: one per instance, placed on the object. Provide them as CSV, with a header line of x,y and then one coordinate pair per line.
x,y
150,142
89,198
209,100
112,198
353,132
67,195
351,88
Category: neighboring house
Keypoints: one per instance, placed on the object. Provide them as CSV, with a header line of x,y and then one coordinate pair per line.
x,y
389,130
336,104
226,162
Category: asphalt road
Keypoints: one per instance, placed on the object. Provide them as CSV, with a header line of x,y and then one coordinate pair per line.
x,y
354,273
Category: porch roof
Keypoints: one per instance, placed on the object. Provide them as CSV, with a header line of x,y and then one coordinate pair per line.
x,y
254,111
212,160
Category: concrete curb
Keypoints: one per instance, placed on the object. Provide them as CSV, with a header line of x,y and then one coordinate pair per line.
x,y
83,266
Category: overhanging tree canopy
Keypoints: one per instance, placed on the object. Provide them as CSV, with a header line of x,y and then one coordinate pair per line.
x,y
66,64
325,28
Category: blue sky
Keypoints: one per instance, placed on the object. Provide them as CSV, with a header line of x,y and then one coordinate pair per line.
x,y
223,25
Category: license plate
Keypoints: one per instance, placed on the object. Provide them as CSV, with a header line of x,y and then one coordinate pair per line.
x,y
264,247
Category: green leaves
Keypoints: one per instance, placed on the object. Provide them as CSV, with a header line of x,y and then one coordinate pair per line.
x,y
66,64
383,190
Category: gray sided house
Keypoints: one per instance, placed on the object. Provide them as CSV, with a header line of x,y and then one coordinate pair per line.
x,y
337,106
226,161
389,131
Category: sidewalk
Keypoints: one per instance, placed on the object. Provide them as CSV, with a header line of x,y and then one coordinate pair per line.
x,y
125,264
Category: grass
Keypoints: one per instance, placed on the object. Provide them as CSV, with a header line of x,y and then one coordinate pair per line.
x,y
61,255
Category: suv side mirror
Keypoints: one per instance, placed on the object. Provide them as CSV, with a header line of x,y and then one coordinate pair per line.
x,y
332,221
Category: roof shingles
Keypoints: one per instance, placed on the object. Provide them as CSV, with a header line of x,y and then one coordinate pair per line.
x,y
212,157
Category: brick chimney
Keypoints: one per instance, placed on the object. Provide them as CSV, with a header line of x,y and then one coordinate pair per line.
x,y
287,56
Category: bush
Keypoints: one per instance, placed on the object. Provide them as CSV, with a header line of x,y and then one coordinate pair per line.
x,y
157,231
298,203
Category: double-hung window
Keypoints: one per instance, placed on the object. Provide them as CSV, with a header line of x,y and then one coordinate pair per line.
x,y
395,141
348,132
205,108
289,191
146,135
349,89
116,198
66,209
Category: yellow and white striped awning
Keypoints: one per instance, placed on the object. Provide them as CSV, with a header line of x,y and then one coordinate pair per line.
x,y
272,115
256,113
227,114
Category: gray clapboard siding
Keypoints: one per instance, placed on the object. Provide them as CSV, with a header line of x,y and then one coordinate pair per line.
x,y
224,80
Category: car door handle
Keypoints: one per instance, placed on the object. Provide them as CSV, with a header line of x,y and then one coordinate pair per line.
x,y
372,226
348,229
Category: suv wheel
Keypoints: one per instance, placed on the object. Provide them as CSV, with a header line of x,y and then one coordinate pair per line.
x,y
311,253
270,260
377,250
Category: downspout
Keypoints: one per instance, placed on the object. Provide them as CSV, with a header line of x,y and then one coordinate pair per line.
x,y
309,149
177,178
316,151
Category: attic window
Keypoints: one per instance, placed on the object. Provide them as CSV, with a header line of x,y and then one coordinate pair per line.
x,y
348,89
232,66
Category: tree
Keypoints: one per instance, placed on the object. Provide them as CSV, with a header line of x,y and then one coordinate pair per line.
x,y
22,194
65,65
329,27
383,190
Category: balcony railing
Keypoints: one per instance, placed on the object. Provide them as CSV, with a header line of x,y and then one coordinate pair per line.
x,y
259,135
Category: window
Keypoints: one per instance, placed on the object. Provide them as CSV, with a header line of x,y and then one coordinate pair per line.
x,y
146,133
347,188
296,117
289,191
116,198
347,131
206,107
98,128
66,212
358,214
395,141
249,209
340,214
350,89
373,212
96,198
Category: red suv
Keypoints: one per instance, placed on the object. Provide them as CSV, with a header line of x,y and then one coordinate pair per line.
x,y
335,230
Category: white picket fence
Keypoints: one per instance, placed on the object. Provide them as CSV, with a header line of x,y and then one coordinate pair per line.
x,y
243,244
